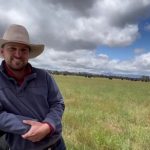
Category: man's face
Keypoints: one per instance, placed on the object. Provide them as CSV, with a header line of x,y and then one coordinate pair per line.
x,y
15,55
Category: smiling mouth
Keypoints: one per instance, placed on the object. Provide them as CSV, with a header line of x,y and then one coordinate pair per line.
x,y
18,59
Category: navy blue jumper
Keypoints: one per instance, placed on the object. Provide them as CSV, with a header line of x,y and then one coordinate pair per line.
x,y
38,98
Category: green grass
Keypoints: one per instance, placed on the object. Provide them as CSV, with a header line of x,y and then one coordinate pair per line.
x,y
103,114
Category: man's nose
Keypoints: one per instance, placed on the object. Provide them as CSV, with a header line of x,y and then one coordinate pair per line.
x,y
18,53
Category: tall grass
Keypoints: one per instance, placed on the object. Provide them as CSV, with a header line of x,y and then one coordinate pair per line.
x,y
103,114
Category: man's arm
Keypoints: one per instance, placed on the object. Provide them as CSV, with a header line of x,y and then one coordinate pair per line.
x,y
12,123
56,104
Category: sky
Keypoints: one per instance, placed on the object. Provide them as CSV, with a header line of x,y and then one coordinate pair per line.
x,y
95,36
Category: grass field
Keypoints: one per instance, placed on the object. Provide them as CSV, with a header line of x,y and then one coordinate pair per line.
x,y
103,114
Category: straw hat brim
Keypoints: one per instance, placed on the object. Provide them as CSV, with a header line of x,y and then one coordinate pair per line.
x,y
35,49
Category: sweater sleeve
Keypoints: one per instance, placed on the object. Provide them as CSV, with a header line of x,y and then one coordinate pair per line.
x,y
12,123
56,105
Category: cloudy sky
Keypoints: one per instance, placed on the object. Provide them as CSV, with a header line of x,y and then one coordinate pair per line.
x,y
97,36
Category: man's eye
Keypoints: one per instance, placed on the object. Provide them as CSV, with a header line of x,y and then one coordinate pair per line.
x,y
24,50
12,48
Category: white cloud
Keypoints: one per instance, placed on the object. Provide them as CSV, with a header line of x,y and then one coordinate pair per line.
x,y
72,30
108,22
88,61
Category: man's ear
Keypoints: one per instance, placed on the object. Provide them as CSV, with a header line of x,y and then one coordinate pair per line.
x,y
1,51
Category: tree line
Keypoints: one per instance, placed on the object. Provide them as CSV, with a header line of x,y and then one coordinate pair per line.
x,y
143,78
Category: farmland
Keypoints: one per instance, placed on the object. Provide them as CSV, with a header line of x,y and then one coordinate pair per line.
x,y
103,114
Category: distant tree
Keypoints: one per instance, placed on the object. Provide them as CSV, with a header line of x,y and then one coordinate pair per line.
x,y
145,78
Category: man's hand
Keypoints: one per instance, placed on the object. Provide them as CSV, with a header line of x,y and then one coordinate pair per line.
x,y
37,131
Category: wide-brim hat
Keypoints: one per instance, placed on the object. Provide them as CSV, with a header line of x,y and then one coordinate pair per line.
x,y
19,34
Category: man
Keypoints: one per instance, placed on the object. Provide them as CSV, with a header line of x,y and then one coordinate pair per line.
x,y
31,105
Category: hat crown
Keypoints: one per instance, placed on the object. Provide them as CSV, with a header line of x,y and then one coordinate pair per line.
x,y
17,33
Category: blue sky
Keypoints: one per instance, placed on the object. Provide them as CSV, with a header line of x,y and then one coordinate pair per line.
x,y
128,52
85,36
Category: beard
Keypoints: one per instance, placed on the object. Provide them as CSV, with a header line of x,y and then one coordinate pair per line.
x,y
17,65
